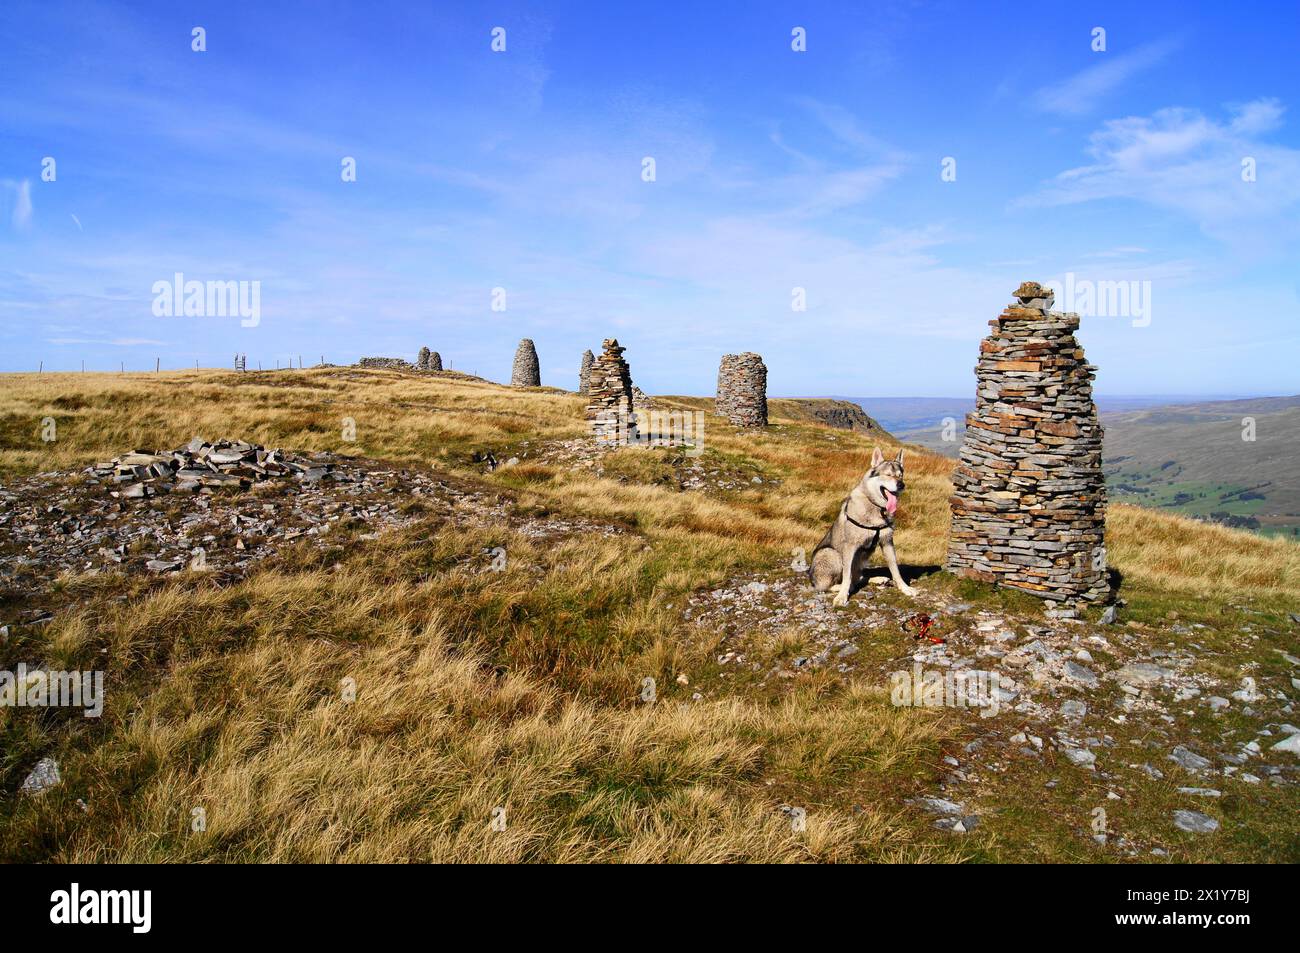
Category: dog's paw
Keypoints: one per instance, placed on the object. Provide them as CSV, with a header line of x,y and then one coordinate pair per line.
x,y
842,599
907,590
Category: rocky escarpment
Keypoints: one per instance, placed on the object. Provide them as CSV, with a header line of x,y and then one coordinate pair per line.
x,y
840,414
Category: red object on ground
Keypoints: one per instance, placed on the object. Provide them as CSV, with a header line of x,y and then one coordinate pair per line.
x,y
922,623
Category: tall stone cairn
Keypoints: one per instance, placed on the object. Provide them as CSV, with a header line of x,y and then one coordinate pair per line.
x,y
1029,501
609,394
422,359
526,372
742,390
435,362
584,372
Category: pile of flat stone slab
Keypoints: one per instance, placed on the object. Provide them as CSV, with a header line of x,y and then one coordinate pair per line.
x,y
1029,497
200,465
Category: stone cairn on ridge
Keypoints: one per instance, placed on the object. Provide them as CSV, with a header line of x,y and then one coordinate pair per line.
x,y
386,363
1029,501
609,392
584,372
526,371
426,361
742,390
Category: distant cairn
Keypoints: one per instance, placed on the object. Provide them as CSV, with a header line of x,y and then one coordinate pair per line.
x,y
435,362
609,392
584,372
422,359
526,371
742,390
1029,500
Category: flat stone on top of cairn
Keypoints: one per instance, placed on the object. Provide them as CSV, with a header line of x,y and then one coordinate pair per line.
x,y
1029,500
584,372
526,372
742,390
609,393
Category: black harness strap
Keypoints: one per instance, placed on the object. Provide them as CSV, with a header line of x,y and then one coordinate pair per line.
x,y
875,529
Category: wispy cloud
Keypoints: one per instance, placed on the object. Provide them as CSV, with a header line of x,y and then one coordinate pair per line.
x,y
1182,161
22,212
1083,92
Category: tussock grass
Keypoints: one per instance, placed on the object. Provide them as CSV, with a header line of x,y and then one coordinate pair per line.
x,y
472,693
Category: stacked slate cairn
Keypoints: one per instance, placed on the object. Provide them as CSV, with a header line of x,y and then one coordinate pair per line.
x,y
584,372
609,394
1029,501
742,390
434,363
526,371
422,360
641,399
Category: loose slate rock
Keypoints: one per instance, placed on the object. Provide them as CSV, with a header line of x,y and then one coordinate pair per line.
x,y
1142,673
43,777
1188,759
1194,822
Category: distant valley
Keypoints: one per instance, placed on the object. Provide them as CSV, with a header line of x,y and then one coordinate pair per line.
x,y
1173,453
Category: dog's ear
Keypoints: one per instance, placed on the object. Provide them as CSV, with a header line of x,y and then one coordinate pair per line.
x,y
877,458
899,459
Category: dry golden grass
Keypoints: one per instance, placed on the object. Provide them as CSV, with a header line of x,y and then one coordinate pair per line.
x,y
231,701
475,691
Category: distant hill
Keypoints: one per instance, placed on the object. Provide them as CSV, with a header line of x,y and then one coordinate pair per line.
x,y
844,414
1192,459
832,411
1184,456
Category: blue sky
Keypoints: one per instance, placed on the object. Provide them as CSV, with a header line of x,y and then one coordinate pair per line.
x,y
775,169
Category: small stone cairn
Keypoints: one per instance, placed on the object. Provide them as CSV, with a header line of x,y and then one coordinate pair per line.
x,y
609,392
526,371
1029,501
742,390
584,372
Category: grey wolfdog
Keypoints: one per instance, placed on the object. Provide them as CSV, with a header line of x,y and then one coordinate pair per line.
x,y
866,518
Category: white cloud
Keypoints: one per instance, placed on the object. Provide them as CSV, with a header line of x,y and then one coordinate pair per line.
x,y
1182,161
1083,92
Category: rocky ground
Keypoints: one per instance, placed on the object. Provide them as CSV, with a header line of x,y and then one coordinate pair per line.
x,y
123,518
1113,700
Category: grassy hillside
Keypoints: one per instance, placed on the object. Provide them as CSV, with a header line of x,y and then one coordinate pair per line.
x,y
525,689
1192,459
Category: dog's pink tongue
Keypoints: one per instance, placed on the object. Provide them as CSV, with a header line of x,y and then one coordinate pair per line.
x,y
891,503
